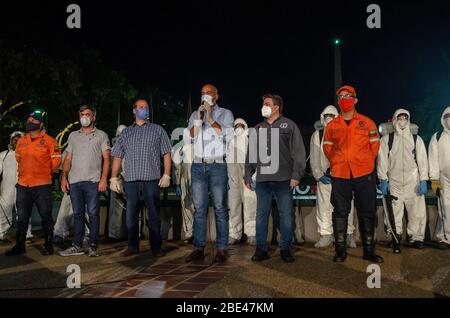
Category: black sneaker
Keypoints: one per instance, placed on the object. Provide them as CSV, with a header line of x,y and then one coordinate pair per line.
x,y
260,255
196,255
47,250
286,256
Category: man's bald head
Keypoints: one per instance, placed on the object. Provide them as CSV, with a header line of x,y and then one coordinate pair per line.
x,y
211,90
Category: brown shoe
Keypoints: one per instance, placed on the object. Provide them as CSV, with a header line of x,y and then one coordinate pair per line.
x,y
196,255
158,253
129,252
221,256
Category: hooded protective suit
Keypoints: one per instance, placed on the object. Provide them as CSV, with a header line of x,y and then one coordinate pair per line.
x,y
116,223
8,171
404,173
64,220
182,156
319,166
238,193
439,164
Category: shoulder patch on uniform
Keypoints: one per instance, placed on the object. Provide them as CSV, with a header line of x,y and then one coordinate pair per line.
x,y
373,132
284,125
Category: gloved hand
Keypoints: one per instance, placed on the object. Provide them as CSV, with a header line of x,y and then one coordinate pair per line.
x,y
208,109
384,187
200,109
164,182
178,191
423,189
116,185
435,185
325,179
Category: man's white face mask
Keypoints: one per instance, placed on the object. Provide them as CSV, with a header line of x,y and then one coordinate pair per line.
x,y
85,121
266,111
208,99
447,122
239,131
402,123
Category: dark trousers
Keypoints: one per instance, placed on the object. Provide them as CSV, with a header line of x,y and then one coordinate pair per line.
x,y
363,189
25,198
282,192
85,195
150,193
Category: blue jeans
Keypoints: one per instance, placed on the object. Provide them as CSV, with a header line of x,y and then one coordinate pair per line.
x,y
85,195
210,177
283,196
150,193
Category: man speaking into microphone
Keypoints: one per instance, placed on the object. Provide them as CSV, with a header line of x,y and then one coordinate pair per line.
x,y
209,130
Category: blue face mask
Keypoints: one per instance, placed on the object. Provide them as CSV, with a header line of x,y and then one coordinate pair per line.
x,y
142,113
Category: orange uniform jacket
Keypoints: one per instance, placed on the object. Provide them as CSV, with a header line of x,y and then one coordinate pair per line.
x,y
37,159
351,149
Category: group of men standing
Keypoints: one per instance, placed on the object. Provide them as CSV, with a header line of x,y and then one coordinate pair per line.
x,y
225,159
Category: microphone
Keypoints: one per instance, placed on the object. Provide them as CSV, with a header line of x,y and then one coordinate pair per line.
x,y
202,112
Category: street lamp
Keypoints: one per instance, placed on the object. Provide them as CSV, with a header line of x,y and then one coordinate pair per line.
x,y
337,64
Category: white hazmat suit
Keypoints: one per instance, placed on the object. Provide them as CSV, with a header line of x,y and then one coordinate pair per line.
x,y
439,164
404,166
238,194
182,156
8,171
117,206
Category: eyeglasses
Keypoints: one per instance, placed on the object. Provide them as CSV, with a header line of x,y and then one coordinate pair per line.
x,y
339,97
402,117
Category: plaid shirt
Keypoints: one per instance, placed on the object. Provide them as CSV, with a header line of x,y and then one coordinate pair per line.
x,y
142,148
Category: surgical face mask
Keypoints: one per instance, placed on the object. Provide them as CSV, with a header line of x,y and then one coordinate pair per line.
x,y
12,145
447,122
239,131
32,127
266,111
207,99
327,120
402,123
142,113
85,121
346,104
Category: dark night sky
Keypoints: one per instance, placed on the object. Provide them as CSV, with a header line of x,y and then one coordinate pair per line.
x,y
248,48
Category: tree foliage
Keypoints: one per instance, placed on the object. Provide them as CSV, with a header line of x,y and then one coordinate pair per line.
x,y
33,79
